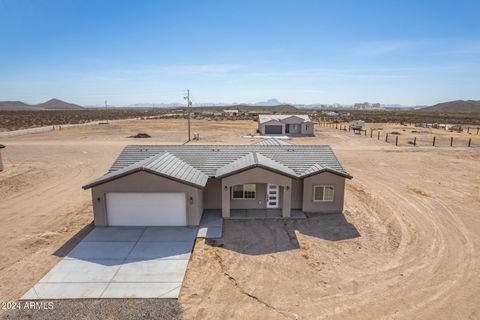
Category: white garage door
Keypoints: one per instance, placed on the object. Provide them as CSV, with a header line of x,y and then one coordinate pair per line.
x,y
146,209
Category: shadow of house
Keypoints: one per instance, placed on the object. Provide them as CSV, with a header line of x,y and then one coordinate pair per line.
x,y
331,227
257,236
111,246
74,240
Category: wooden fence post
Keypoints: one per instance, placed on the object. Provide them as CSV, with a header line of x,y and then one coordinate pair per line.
x,y
378,138
433,144
396,140
371,132
469,142
478,129
386,137
451,142
468,130
365,132
414,141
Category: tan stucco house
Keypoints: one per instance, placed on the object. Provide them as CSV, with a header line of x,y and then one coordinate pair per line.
x,y
284,124
173,185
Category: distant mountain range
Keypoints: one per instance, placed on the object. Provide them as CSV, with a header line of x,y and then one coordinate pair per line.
x,y
463,106
460,106
267,103
52,104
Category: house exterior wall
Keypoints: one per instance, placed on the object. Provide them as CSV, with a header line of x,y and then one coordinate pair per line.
x,y
212,195
297,188
294,129
258,203
256,175
146,182
325,178
307,128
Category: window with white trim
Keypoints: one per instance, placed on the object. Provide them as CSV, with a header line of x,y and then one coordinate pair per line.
x,y
323,193
244,191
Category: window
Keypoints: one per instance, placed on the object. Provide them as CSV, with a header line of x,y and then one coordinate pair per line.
x,y
244,191
323,193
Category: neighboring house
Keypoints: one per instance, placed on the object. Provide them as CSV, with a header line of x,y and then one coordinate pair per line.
x,y
285,124
172,185
1,163
231,112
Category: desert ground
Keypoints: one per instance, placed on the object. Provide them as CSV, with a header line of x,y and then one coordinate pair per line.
x,y
406,247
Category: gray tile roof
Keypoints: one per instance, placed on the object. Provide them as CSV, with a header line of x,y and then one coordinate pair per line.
x,y
279,117
272,142
215,160
250,160
163,164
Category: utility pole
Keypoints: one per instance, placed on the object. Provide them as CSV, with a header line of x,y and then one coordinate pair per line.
x,y
106,107
189,105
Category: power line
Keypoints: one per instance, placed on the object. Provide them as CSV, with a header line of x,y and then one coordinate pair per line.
x,y
189,106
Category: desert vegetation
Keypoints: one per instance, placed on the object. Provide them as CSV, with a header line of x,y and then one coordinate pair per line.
x,y
16,120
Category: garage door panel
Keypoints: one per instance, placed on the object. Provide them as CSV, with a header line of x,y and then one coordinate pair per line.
x,y
146,209
273,129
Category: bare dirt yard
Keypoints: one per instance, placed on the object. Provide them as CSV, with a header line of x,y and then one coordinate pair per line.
x,y
406,247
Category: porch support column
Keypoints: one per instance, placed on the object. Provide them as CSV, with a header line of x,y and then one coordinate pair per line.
x,y
287,199
225,199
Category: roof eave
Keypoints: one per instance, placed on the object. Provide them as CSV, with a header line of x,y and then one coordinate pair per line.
x,y
345,175
256,166
94,184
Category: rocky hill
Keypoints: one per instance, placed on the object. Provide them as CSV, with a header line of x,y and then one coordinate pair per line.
x,y
462,106
52,104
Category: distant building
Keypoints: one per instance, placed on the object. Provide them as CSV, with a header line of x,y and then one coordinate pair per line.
x,y
330,113
366,106
231,112
257,112
285,124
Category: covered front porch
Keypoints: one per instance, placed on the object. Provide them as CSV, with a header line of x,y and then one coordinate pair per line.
x,y
267,195
240,214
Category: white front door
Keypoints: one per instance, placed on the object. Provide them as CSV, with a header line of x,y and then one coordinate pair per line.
x,y
272,196
146,209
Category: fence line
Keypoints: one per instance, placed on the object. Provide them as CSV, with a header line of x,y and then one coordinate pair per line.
x,y
434,141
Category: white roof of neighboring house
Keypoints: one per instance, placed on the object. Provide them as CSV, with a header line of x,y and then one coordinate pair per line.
x,y
230,111
279,117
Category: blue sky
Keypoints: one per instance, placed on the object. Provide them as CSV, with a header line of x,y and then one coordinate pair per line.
x,y
407,52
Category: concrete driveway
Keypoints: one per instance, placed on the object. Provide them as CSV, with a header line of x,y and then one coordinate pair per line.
x,y
127,262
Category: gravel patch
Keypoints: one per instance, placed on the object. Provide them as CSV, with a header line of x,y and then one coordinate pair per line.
x,y
99,309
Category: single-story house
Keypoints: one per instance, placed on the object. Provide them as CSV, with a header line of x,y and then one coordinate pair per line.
x,y
231,112
1,162
282,124
173,184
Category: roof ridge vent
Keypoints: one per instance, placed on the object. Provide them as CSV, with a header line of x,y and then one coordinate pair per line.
x,y
255,158
216,149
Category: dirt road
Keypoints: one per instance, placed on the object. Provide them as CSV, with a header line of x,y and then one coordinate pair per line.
x,y
407,245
